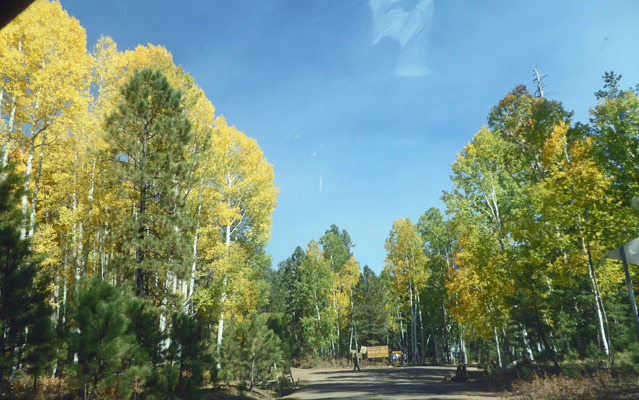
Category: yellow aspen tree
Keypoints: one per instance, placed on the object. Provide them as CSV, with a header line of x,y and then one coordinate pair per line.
x,y
315,282
50,89
45,68
241,197
345,281
481,203
574,198
405,264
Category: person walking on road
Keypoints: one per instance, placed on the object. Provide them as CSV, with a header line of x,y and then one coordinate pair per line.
x,y
355,362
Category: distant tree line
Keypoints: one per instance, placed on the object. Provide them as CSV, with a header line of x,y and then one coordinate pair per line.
x,y
516,267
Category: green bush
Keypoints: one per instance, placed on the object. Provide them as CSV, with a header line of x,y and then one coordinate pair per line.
x,y
250,351
100,339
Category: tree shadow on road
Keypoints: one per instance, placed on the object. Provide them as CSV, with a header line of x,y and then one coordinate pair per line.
x,y
411,382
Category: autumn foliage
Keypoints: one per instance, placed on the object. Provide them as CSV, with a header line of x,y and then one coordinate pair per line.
x,y
146,207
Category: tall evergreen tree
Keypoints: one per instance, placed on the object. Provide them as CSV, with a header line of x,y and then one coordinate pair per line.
x,y
285,309
23,291
149,137
369,309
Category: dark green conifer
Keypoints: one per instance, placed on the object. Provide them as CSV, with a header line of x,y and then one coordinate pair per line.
x,y
251,351
25,324
101,339
149,136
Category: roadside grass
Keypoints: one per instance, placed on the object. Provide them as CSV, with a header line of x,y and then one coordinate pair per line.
x,y
603,384
586,379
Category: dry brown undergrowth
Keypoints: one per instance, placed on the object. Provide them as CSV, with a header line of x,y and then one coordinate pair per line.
x,y
601,385
47,388
232,393
57,389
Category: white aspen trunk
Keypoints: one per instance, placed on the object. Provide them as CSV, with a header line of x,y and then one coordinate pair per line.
x,y
7,147
56,295
185,289
319,319
64,279
220,330
175,284
498,348
77,231
92,183
27,183
81,271
602,328
336,326
333,346
87,249
527,348
413,326
162,324
220,326
462,345
99,255
421,327
445,334
598,303
551,338
36,181
106,245
188,303
401,329
508,349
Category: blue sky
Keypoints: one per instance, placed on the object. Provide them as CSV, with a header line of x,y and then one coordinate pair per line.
x,y
361,106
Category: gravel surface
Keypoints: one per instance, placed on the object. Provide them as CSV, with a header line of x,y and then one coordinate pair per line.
x,y
384,383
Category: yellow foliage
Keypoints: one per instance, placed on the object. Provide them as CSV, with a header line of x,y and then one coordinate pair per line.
x,y
51,85
405,261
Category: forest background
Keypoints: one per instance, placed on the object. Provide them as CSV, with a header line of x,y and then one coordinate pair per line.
x,y
134,222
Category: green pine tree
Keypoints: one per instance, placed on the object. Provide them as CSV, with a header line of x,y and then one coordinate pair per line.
x,y
156,377
149,136
370,314
252,351
285,309
101,339
189,350
25,324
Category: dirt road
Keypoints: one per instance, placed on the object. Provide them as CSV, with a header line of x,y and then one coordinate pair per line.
x,y
384,383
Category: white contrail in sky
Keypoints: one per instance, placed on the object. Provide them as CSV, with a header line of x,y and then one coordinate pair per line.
x,y
320,182
409,26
